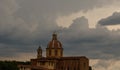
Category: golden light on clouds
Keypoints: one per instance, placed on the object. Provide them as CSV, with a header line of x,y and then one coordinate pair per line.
x,y
114,27
93,16
21,57
99,64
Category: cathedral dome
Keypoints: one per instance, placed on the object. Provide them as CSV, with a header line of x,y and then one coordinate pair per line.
x,y
54,43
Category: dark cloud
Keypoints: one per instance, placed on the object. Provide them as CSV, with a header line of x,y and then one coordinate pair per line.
x,y
94,43
25,24
114,19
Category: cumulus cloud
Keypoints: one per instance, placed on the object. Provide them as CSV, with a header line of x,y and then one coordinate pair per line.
x,y
94,43
111,20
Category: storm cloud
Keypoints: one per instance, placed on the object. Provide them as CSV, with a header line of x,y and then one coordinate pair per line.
x,y
114,19
26,24
94,43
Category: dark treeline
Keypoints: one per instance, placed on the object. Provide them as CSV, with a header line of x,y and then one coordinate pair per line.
x,y
11,65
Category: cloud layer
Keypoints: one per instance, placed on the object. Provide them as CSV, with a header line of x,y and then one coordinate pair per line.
x,y
25,24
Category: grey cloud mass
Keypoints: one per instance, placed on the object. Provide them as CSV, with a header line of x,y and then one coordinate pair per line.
x,y
59,7
25,24
114,19
98,42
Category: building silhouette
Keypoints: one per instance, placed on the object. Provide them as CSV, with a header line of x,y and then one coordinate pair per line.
x,y
55,60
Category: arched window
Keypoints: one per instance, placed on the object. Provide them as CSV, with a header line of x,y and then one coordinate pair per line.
x,y
49,52
56,52
78,66
74,68
61,52
61,68
67,68
84,65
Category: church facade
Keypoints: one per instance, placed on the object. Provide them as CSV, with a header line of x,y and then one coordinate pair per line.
x,y
55,60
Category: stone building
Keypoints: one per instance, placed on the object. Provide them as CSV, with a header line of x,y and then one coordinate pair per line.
x,y
55,60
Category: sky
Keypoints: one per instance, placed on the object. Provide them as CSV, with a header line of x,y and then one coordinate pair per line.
x,y
88,28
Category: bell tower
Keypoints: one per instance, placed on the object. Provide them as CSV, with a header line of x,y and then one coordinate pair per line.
x,y
39,52
54,48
